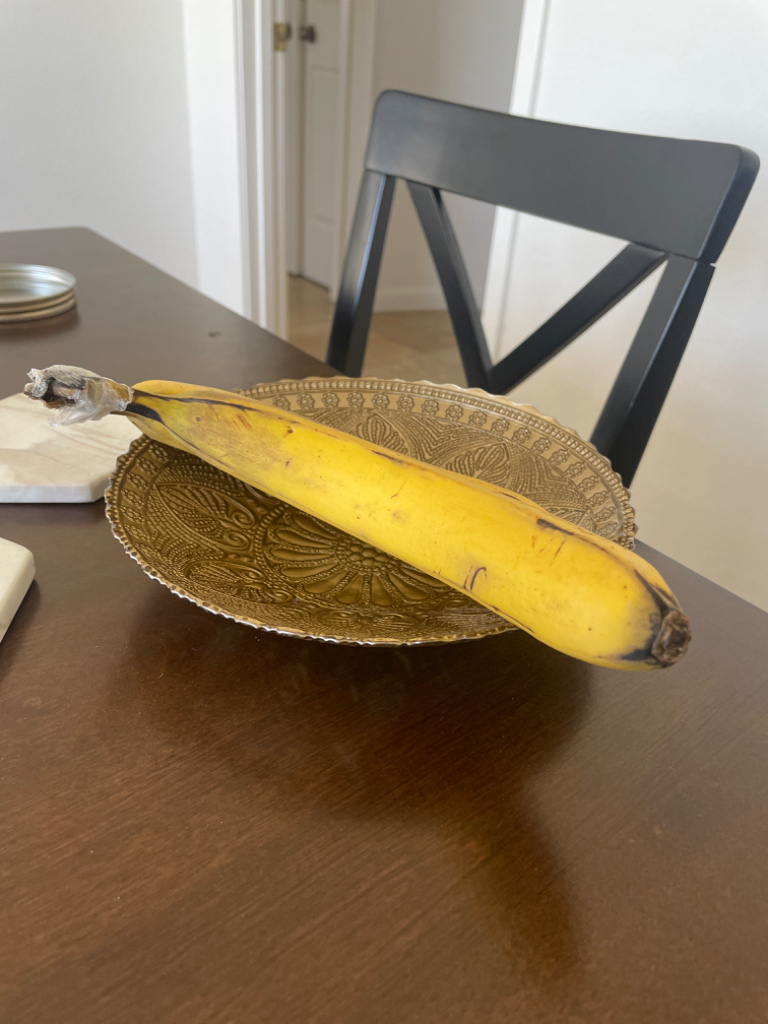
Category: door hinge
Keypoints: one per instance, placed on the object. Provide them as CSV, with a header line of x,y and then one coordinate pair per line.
x,y
281,33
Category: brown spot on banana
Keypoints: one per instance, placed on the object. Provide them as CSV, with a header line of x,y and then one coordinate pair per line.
x,y
547,525
474,578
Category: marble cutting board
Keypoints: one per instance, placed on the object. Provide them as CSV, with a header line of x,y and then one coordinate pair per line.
x,y
43,463
17,570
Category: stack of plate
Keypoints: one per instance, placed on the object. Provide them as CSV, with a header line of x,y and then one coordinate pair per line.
x,y
28,292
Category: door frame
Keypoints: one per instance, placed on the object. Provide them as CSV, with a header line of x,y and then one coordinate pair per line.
x,y
215,87
265,140
236,99
294,143
357,27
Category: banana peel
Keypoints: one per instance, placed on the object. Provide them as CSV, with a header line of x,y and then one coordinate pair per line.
x,y
571,589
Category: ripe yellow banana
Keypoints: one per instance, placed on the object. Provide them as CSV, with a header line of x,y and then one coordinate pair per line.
x,y
571,589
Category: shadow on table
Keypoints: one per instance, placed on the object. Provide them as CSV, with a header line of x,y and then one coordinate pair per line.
x,y
36,330
437,734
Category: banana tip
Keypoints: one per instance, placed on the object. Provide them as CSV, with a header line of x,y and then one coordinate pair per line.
x,y
672,639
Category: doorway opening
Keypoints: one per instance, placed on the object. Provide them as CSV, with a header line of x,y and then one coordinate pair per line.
x,y
316,142
329,99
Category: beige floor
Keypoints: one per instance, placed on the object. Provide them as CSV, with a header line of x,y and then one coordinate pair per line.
x,y
407,346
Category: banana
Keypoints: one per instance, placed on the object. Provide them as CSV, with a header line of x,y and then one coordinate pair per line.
x,y
577,592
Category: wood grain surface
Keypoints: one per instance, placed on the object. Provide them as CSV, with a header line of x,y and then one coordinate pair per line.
x,y
200,822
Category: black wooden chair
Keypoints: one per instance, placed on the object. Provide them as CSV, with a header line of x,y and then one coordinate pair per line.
x,y
674,200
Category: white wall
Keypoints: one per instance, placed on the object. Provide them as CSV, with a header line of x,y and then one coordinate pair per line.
x,y
452,50
125,118
212,41
694,69
93,118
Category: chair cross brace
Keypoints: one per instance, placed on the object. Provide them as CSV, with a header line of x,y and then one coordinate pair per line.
x,y
629,414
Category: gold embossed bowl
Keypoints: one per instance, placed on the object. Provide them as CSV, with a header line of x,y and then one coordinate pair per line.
x,y
239,553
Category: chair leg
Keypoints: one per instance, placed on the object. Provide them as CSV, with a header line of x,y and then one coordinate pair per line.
x,y
354,306
629,415
452,271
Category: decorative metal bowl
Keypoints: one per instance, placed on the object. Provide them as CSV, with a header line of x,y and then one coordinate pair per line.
x,y
240,553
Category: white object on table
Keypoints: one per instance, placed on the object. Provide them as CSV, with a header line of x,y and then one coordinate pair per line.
x,y
17,570
40,462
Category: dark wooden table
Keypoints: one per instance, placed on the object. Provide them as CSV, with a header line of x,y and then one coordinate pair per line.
x,y
204,823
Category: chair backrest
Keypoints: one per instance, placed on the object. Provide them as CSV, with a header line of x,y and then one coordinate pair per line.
x,y
673,200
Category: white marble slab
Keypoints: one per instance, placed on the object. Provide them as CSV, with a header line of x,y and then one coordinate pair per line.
x,y
17,570
40,462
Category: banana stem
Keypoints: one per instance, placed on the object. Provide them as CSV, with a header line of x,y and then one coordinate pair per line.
x,y
76,394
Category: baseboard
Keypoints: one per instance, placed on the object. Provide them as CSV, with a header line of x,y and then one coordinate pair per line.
x,y
406,300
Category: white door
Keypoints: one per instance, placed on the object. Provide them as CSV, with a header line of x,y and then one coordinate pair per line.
x,y
322,132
